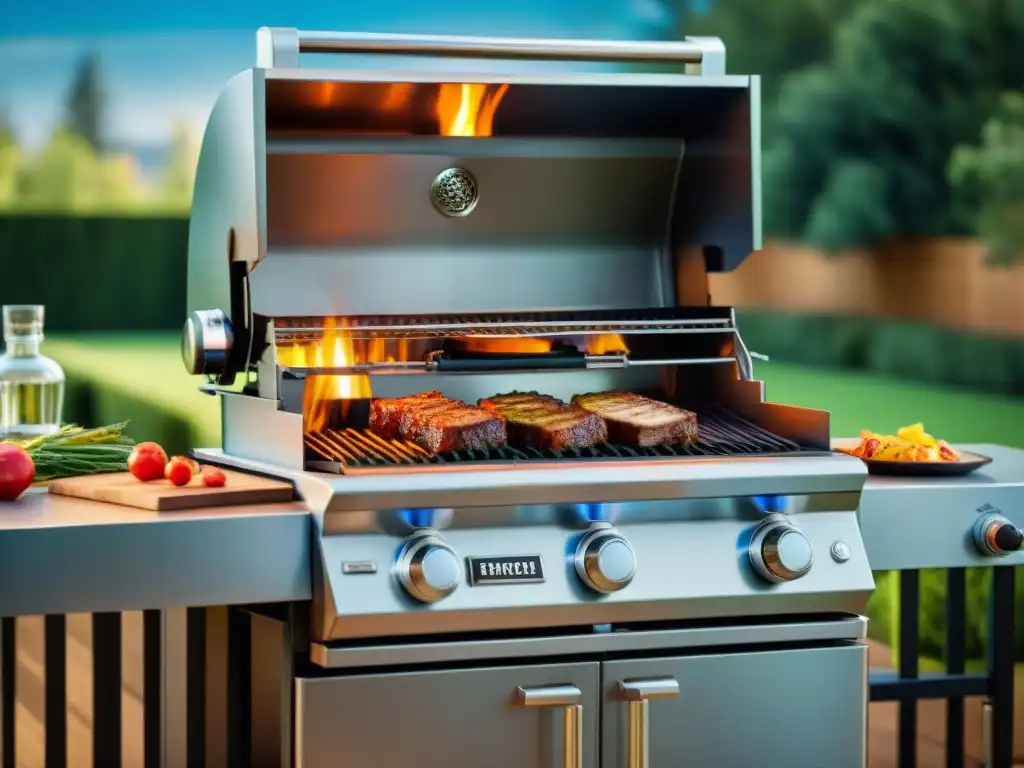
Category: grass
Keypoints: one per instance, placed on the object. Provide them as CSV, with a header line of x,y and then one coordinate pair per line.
x,y
144,368
864,401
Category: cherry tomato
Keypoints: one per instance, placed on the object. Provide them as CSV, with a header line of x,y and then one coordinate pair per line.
x,y
213,477
147,461
179,470
16,471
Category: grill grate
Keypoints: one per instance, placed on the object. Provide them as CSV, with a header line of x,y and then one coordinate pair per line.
x,y
647,321
722,433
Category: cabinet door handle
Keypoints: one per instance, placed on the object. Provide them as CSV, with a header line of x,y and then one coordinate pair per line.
x,y
565,698
638,694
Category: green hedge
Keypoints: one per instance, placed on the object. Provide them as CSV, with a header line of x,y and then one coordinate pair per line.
x,y
924,354
96,273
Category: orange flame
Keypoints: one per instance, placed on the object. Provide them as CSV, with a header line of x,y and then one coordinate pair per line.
x,y
601,344
333,350
606,343
467,109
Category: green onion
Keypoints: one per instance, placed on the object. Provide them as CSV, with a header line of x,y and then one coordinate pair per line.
x,y
73,451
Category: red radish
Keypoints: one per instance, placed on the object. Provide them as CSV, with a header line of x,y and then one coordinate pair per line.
x,y
147,461
179,470
213,477
16,471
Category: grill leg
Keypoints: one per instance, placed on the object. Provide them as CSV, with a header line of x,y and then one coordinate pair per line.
x,y
956,642
8,667
106,689
1001,667
909,601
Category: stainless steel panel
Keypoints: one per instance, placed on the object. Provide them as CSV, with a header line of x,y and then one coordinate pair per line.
x,y
685,570
336,656
910,523
566,482
454,718
775,709
383,202
437,279
71,556
229,194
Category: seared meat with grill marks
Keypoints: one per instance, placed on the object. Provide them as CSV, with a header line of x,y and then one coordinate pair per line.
x,y
437,423
544,422
636,420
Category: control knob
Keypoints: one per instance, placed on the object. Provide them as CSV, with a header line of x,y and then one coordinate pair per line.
x,y
779,551
428,569
604,560
206,342
996,536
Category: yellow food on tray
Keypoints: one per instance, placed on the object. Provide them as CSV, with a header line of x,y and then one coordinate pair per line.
x,y
908,444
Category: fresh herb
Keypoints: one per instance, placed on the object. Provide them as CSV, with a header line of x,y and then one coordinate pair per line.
x,y
74,451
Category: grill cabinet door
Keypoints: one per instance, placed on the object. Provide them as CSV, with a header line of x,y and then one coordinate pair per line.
x,y
450,719
803,708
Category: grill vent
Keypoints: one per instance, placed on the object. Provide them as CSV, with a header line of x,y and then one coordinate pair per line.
x,y
454,192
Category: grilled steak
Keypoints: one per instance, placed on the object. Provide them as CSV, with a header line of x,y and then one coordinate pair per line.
x,y
541,421
437,423
637,420
386,414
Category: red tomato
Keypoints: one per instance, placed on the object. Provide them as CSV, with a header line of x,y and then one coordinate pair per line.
x,y
179,470
16,471
213,477
147,461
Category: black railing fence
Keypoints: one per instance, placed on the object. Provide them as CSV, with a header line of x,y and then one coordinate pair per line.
x,y
213,680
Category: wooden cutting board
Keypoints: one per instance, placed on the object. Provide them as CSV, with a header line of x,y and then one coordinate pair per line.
x,y
161,496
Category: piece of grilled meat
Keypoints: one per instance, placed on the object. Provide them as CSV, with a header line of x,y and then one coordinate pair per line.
x,y
637,420
437,423
544,422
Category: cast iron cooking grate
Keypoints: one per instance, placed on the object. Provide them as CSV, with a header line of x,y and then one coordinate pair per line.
x,y
722,433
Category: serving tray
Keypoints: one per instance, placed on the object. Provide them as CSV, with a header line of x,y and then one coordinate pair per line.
x,y
969,462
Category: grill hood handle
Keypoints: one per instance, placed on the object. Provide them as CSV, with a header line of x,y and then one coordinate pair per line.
x,y
281,46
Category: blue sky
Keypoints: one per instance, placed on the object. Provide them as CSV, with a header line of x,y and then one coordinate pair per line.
x,y
166,63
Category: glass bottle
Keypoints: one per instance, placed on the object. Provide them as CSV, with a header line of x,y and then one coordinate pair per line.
x,y
31,384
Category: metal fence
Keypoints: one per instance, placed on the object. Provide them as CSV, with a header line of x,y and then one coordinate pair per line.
x,y
214,678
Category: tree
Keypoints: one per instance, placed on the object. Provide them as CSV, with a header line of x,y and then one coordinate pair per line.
x,y
771,39
68,177
86,102
988,180
180,169
10,160
861,142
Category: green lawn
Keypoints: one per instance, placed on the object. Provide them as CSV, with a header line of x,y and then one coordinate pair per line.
x,y
863,401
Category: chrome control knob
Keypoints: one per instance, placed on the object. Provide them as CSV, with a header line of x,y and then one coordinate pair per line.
x,y
604,560
996,536
428,569
206,342
779,551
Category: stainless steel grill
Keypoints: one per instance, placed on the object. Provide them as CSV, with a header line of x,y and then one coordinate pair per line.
x,y
359,235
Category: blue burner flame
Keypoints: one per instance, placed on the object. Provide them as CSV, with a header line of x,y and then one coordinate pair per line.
x,y
592,512
417,518
771,504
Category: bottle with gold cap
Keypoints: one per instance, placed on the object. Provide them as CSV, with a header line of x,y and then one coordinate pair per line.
x,y
31,384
